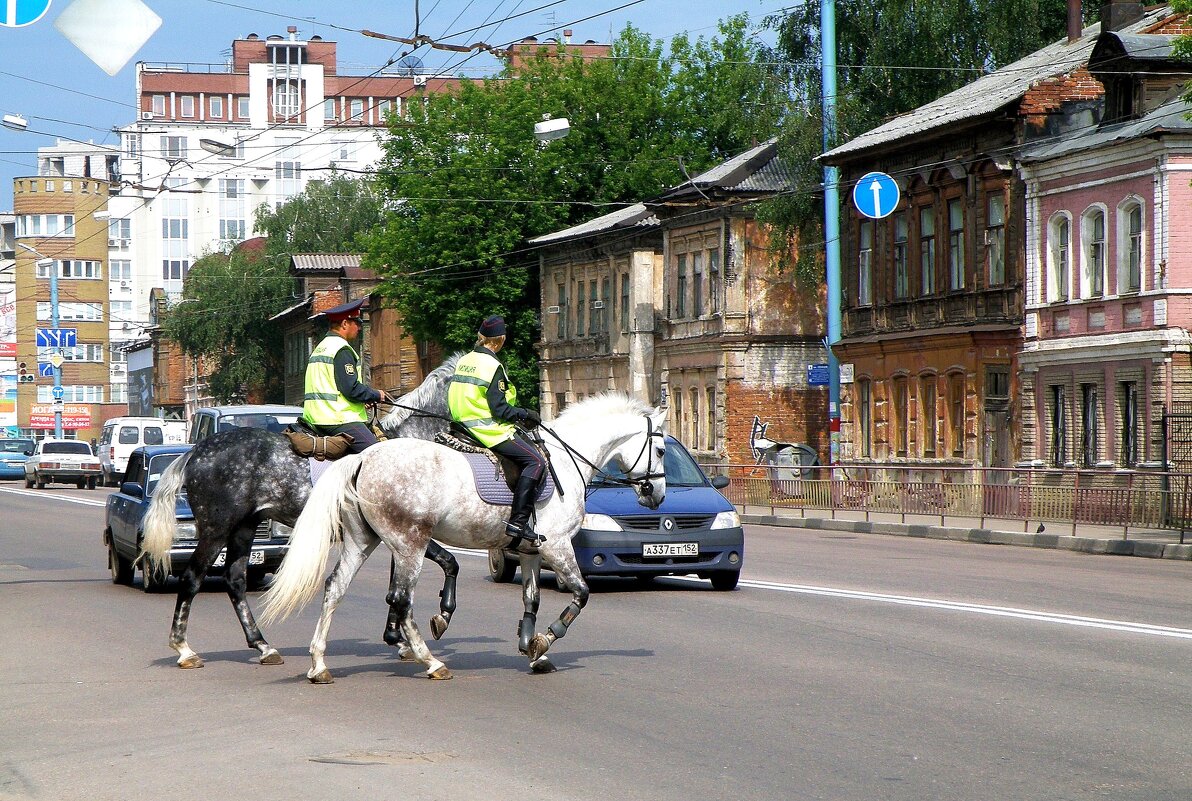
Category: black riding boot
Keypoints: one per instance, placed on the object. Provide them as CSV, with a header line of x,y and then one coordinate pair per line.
x,y
518,528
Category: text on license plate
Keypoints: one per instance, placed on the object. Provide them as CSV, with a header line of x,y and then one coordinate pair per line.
x,y
254,558
670,549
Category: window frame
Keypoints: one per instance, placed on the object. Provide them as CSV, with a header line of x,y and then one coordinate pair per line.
x,y
956,242
865,262
995,239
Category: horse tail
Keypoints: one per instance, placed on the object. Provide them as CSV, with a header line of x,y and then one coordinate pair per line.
x,y
319,526
161,523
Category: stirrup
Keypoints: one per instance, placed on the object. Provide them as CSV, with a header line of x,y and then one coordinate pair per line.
x,y
519,534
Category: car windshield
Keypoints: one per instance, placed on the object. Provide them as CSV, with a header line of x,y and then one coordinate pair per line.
x,y
681,470
272,422
15,445
156,467
66,447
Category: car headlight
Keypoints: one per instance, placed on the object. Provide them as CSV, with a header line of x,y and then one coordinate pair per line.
x,y
727,520
594,522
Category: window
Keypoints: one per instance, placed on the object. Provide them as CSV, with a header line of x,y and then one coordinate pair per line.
x,y
710,425
175,232
995,240
579,308
714,279
594,317
1088,424
677,421
345,151
118,393
927,414
119,234
73,268
215,106
383,109
1133,255
955,244
86,312
902,416
356,109
901,274
287,170
927,249
71,394
693,414
121,310
625,302
1129,406
118,354
865,417
186,106
79,353
132,145
560,402
119,270
561,330
697,284
231,209
956,413
1060,237
45,225
173,148
159,105
1093,236
1059,426
287,98
329,110
606,298
865,264
242,107
997,382
681,287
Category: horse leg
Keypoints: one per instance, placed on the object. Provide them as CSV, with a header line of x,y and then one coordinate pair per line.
x,y
445,560
531,570
566,572
402,604
236,576
189,584
357,546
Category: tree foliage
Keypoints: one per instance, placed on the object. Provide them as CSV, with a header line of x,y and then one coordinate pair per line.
x,y
228,298
893,56
469,184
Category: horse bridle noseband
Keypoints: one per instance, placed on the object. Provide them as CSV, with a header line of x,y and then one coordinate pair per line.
x,y
642,482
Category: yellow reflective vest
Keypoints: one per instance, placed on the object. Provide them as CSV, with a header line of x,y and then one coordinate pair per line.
x,y
323,403
467,398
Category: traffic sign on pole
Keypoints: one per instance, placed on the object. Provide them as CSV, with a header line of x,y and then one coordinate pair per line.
x,y
57,337
876,195
57,392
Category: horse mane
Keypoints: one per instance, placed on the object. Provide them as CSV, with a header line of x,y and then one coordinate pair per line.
x,y
606,403
429,396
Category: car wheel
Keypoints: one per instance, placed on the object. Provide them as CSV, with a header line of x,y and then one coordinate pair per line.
x,y
82,482
91,483
500,567
120,567
28,483
37,479
151,581
725,580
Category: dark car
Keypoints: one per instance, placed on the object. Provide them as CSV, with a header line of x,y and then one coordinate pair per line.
x,y
695,530
13,453
214,419
126,510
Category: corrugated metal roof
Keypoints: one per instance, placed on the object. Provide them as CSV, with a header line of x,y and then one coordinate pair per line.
x,y
299,305
1147,46
633,216
757,170
1172,116
325,262
991,92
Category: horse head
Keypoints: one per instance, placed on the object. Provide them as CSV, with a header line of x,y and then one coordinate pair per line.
x,y
640,458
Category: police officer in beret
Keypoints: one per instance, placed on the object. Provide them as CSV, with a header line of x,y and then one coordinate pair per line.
x,y
335,397
483,401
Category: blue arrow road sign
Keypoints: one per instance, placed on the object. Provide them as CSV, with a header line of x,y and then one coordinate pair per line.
x,y
57,392
57,337
19,13
45,369
876,195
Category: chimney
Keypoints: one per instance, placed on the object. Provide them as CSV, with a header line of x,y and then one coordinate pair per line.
x,y
1117,14
566,36
1074,21
293,31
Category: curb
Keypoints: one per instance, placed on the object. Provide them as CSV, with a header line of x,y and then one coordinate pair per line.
x,y
1091,545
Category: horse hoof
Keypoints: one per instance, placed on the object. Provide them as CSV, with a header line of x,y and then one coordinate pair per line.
x,y
405,653
191,662
272,658
441,673
538,647
542,665
438,626
323,677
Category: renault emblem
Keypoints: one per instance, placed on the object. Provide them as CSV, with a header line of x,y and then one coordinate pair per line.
x,y
668,523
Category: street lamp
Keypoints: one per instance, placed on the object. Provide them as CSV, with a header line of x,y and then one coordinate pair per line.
x,y
217,147
550,129
14,121
44,261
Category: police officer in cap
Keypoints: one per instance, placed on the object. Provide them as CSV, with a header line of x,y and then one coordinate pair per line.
x,y
483,401
335,396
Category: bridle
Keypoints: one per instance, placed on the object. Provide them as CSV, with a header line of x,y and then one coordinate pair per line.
x,y
640,482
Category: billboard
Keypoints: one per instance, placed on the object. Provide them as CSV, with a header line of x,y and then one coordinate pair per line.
x,y
8,402
8,322
74,415
140,392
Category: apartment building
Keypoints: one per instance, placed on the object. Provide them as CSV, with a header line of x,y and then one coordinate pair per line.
x,y
8,327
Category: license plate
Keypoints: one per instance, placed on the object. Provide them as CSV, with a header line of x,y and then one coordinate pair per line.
x,y
254,558
670,549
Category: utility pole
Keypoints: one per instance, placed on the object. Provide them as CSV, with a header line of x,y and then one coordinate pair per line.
x,y
53,269
831,218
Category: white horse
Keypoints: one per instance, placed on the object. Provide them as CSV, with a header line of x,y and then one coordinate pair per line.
x,y
404,492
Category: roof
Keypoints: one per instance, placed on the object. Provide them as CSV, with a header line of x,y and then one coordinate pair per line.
x,y
756,171
635,216
302,304
325,262
1140,46
1171,117
990,93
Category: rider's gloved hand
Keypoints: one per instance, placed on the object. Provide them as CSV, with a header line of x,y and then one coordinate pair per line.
x,y
531,419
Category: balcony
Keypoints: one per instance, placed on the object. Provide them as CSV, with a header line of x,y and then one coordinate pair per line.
x,y
999,305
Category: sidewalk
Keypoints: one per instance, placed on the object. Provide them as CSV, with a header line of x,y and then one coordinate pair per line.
x,y
1161,544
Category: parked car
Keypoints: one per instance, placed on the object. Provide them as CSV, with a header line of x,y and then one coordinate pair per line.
x,y
122,435
695,530
213,419
13,453
125,513
62,461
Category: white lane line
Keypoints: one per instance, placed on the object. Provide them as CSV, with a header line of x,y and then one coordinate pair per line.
x,y
45,495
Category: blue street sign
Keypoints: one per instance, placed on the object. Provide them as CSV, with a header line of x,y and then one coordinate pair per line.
x,y
57,392
45,369
57,337
817,375
876,195
19,13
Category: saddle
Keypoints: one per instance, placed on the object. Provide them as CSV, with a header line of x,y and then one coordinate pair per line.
x,y
307,443
495,476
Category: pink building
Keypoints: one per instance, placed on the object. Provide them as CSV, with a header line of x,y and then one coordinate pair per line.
x,y
1107,350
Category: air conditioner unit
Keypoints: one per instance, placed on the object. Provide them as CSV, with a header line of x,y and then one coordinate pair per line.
x,y
117,369
598,304
420,80
113,243
125,326
552,309
146,115
124,285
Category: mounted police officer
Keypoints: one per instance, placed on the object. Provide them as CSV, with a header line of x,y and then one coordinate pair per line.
x,y
483,401
335,397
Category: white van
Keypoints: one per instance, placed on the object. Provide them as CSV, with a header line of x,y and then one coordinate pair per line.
x,y
122,435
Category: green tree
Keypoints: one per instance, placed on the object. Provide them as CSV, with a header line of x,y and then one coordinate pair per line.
x,y
469,184
228,298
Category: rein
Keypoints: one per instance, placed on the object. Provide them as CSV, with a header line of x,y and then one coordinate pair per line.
x,y
642,482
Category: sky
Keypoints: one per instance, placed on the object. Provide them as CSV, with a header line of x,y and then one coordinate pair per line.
x,y
62,93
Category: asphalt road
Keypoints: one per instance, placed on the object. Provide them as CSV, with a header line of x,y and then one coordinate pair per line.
x,y
846,667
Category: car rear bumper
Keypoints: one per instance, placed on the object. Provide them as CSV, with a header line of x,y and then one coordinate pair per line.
x,y
64,474
273,552
619,553
8,471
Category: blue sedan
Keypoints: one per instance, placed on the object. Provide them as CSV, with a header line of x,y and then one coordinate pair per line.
x,y
695,530
13,453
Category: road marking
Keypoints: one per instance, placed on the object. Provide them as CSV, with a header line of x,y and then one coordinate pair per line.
x,y
979,609
43,495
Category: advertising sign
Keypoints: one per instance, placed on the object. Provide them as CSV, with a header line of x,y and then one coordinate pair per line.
x,y
74,415
140,392
8,401
8,323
